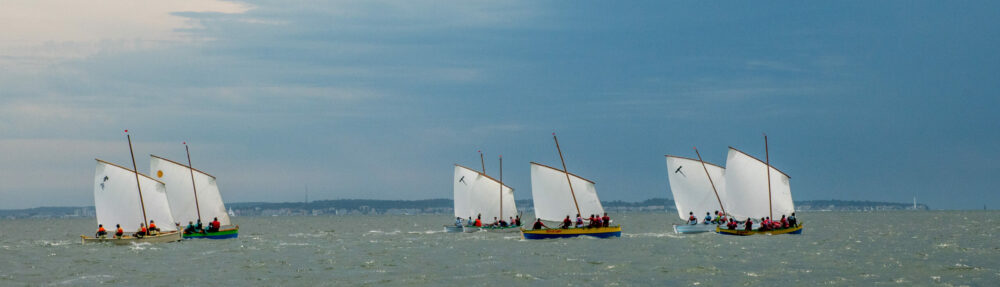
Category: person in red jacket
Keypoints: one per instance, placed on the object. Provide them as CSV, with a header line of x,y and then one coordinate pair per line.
x,y
566,223
101,233
479,223
784,221
142,230
215,225
539,224
606,219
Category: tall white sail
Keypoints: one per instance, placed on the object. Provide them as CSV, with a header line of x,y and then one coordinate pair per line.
x,y
552,196
478,194
746,188
116,199
691,187
465,178
180,192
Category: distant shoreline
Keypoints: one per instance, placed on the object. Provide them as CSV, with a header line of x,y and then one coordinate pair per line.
x,y
437,206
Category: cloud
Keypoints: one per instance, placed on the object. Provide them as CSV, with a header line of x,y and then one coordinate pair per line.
x,y
36,34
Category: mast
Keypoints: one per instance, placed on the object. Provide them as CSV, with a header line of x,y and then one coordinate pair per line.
x,y
482,161
710,180
767,159
193,187
567,174
136,171
501,187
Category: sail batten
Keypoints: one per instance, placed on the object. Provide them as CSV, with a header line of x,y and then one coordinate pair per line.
x,y
180,192
553,200
747,188
116,198
691,187
476,195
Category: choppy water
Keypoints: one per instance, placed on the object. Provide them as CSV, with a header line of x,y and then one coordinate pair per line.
x,y
837,248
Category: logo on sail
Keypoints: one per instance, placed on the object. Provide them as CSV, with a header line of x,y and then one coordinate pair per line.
x,y
102,182
462,180
679,171
159,173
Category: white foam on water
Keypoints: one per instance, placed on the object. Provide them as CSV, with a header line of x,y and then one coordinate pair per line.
x,y
141,246
85,279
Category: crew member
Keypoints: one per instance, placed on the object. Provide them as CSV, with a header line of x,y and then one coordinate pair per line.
x,y
539,224
120,232
153,230
791,220
784,221
189,228
748,224
606,219
691,219
708,217
215,225
579,221
566,223
141,231
479,222
101,233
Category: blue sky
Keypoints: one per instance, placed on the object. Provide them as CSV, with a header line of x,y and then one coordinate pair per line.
x,y
861,100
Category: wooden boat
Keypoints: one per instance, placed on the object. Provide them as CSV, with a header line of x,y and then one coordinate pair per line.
x,y
758,196
549,233
506,229
225,232
129,239
478,195
194,196
698,187
128,198
693,228
790,230
453,228
553,193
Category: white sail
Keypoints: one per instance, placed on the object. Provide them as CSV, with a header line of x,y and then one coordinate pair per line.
x,y
116,199
464,180
746,188
552,196
181,194
478,194
691,187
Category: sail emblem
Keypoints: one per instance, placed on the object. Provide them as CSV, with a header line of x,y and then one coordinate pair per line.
x,y
462,180
102,182
159,173
679,171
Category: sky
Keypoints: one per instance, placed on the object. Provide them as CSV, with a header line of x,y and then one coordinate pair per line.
x,y
861,100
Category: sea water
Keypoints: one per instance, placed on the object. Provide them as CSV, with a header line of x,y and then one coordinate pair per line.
x,y
836,248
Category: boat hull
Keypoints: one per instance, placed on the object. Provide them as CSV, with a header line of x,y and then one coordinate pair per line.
x,y
452,229
599,232
508,229
692,229
224,233
791,230
128,240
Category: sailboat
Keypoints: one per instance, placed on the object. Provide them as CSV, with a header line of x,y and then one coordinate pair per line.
x,y
194,196
479,196
696,186
127,198
557,194
756,190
